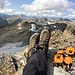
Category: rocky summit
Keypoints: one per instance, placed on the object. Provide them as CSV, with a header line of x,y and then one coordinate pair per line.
x,y
62,36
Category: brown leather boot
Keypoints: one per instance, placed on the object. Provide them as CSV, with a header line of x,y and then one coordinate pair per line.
x,y
44,38
34,40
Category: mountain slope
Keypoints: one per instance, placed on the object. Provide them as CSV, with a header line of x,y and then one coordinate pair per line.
x,y
3,22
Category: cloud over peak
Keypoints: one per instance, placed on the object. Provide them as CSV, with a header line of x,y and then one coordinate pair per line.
x,y
39,5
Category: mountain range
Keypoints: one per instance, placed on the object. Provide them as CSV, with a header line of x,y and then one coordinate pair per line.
x,y
10,19
6,19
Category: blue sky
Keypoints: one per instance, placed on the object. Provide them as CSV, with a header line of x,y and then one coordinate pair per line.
x,y
51,8
16,4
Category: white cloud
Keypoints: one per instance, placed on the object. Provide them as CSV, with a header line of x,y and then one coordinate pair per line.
x,y
38,5
4,3
46,13
70,9
7,11
10,11
45,8
73,12
71,15
7,3
18,13
49,8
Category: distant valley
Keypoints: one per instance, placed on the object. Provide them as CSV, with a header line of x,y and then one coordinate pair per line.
x,y
18,28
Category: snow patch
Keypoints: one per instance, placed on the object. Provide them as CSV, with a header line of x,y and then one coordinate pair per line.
x,y
12,48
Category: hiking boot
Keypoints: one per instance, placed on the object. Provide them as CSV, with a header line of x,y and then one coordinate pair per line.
x,y
44,38
34,40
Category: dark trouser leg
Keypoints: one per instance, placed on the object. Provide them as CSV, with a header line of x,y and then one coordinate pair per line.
x,y
36,64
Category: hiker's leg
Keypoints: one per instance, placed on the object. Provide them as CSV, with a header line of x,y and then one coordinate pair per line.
x,y
36,64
